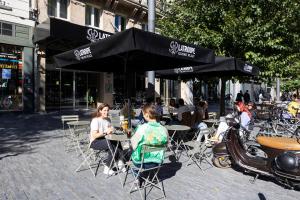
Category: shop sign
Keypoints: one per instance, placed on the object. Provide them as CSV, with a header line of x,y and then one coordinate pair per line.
x,y
182,50
8,66
183,70
94,35
83,53
248,68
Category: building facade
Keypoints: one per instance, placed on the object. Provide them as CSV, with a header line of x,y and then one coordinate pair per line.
x,y
66,24
16,55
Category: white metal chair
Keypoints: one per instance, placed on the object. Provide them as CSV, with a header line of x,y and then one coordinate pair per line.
x,y
90,156
149,177
197,148
68,137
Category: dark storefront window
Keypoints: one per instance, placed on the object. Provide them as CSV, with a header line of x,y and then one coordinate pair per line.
x,y
66,89
11,78
86,88
52,88
81,89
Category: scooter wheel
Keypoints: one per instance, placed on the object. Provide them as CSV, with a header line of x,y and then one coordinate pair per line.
x,y
222,162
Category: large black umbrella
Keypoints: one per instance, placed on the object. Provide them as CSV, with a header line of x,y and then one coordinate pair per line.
x,y
223,67
134,50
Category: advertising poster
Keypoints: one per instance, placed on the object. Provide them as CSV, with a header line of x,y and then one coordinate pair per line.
x,y
6,73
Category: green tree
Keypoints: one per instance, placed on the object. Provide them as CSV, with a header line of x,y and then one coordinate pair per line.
x,y
263,32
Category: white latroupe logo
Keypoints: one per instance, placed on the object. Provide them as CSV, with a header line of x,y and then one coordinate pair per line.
x,y
83,53
248,68
183,50
94,35
183,70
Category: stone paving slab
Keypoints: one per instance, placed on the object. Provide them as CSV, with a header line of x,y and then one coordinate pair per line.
x,y
34,165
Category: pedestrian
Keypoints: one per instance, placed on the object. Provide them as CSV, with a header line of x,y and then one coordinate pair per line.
x,y
239,97
246,97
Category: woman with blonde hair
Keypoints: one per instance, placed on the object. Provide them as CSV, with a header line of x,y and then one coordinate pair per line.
x,y
100,127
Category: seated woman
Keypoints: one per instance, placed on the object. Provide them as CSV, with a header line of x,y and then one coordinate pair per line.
x,y
244,114
151,133
172,107
100,127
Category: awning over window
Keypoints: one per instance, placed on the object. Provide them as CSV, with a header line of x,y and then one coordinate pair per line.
x,y
61,35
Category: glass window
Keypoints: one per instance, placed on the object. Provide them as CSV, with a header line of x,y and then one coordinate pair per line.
x,y
92,16
63,9
96,17
11,78
88,13
58,8
7,29
52,6
120,23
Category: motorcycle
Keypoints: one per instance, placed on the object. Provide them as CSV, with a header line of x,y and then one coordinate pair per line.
x,y
276,157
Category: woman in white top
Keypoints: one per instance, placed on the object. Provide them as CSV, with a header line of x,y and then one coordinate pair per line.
x,y
100,127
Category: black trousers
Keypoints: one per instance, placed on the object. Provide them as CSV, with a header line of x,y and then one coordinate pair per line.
x,y
103,144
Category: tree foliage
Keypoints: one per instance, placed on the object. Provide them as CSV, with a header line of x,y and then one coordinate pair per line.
x,y
263,32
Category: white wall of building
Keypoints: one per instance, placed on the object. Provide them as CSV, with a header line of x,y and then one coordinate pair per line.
x,y
17,12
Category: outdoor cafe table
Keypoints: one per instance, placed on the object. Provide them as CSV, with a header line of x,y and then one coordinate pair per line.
x,y
119,137
180,131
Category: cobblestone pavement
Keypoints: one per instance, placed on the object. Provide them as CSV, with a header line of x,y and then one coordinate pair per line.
x,y
35,165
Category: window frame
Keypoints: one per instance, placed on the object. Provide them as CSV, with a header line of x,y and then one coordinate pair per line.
x,y
92,17
58,9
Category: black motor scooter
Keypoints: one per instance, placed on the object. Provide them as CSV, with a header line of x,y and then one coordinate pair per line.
x,y
279,157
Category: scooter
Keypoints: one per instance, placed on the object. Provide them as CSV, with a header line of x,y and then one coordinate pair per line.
x,y
276,157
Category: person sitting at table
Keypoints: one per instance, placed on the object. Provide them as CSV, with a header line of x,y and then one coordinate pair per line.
x,y
182,109
100,127
200,112
244,115
294,106
172,107
150,133
158,108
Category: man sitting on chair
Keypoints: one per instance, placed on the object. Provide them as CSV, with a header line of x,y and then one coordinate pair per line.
x,y
151,133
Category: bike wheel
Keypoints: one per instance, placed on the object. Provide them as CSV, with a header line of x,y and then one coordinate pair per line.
x,y
222,162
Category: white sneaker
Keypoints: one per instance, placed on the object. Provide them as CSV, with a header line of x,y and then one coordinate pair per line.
x,y
121,166
108,171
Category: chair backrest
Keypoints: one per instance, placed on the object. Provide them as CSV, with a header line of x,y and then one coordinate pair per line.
x,y
146,148
186,119
68,118
204,131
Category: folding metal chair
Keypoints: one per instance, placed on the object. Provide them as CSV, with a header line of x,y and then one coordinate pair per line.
x,y
198,147
68,135
90,156
149,177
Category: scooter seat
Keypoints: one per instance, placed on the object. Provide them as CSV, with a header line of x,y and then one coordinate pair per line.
x,y
282,143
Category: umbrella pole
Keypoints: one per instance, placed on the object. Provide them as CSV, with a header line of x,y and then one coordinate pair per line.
x,y
127,89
